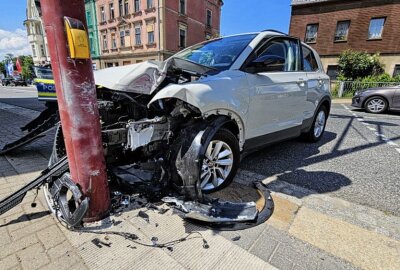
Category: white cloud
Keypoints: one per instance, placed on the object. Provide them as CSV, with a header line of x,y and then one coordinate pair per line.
x,y
15,42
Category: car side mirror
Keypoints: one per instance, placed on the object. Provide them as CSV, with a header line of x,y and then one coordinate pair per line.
x,y
267,63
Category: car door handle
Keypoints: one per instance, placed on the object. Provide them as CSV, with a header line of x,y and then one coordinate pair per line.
x,y
301,82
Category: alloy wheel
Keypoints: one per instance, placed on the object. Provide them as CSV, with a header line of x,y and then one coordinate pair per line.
x,y
319,124
217,165
376,105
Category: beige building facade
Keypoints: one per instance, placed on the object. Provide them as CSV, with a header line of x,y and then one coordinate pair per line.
x,y
36,34
139,30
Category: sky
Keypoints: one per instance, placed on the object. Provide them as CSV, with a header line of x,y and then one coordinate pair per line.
x,y
238,16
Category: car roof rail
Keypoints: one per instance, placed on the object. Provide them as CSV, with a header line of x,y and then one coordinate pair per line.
x,y
276,31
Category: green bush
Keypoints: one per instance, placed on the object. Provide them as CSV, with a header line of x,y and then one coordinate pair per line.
x,y
355,64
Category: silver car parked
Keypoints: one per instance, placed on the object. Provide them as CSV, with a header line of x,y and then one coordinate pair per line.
x,y
378,100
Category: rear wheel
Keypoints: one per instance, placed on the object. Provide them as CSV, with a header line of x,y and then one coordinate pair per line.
x,y
376,105
318,127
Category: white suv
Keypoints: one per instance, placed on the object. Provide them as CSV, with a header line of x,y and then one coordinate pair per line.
x,y
194,114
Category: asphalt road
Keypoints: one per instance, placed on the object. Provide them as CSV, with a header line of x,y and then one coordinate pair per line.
x,y
25,97
358,158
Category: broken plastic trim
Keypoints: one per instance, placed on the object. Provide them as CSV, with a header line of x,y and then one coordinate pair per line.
x,y
228,215
72,211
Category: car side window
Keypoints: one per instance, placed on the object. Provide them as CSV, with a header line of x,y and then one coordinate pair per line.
x,y
309,60
279,55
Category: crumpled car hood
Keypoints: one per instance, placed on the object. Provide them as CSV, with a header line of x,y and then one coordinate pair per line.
x,y
142,78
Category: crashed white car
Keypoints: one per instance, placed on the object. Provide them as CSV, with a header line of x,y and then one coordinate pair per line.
x,y
188,120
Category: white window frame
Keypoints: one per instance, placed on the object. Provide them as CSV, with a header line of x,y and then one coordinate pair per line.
x,y
346,36
134,5
138,42
34,54
103,14
180,7
105,41
370,37
112,10
182,28
309,38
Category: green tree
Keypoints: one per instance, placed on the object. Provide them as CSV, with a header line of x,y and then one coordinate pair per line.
x,y
355,64
2,68
27,66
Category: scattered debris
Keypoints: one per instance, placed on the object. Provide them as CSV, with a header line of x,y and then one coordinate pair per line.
x,y
154,240
145,216
99,243
236,238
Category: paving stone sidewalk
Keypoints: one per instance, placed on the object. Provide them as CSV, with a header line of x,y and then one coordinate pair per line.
x,y
307,230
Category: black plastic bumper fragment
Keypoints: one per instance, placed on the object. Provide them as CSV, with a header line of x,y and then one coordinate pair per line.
x,y
228,215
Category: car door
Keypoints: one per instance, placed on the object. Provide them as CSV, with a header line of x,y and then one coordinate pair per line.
x,y
317,81
396,99
278,89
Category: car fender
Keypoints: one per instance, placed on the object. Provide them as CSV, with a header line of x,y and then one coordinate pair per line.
x,y
226,93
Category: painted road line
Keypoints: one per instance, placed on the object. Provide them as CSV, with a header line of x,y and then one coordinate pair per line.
x,y
377,134
389,142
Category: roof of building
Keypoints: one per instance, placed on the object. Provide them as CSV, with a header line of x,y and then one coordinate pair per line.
x,y
305,2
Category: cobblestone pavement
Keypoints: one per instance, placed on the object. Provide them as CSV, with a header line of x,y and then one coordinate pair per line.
x,y
308,230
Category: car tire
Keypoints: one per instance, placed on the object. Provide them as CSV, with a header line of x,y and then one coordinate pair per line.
x,y
223,162
318,127
376,105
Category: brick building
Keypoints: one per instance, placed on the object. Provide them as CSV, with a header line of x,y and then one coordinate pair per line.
x,y
331,26
132,31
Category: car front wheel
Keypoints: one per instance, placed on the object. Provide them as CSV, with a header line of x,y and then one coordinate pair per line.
x,y
220,162
376,105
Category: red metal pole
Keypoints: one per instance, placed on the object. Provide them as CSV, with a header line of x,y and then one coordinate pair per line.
x,y
77,102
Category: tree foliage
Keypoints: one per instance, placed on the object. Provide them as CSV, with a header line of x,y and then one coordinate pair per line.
x,y
355,65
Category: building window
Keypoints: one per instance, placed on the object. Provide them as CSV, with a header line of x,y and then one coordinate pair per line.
x,y
311,33
150,37
396,71
38,30
120,8
342,31
182,7
89,18
126,7
33,50
149,3
333,72
103,14
105,44
182,36
137,5
138,35
122,38
43,53
113,41
112,14
209,18
376,28
125,36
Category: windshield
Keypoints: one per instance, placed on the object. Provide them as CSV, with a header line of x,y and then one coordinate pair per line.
x,y
218,53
